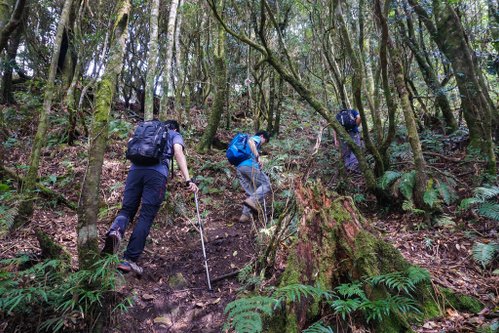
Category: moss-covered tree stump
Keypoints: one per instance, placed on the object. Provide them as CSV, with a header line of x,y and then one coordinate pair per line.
x,y
335,246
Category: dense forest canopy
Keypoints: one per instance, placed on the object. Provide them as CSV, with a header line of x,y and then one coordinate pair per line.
x,y
328,254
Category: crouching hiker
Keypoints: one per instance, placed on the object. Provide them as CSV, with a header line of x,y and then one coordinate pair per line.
x,y
244,153
350,120
152,145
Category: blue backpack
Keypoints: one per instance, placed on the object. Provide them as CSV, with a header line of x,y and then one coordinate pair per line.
x,y
346,119
238,150
148,143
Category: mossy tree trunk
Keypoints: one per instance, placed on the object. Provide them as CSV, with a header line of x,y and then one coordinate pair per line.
x,y
8,27
7,97
217,109
357,84
429,74
89,197
152,59
26,206
481,116
167,84
410,122
335,246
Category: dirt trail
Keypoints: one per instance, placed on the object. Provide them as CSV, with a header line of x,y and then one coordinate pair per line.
x,y
172,295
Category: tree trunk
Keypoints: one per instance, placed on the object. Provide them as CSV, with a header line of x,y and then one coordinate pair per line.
x,y
429,75
357,80
449,35
167,84
26,207
220,94
15,19
151,61
410,122
334,247
9,63
89,197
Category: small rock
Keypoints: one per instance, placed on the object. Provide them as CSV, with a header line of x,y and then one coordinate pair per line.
x,y
147,297
177,281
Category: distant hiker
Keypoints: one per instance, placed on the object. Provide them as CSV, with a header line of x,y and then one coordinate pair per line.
x,y
244,154
350,120
152,145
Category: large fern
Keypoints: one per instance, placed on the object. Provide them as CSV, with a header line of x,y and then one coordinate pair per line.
x,y
388,178
484,202
484,254
406,185
244,314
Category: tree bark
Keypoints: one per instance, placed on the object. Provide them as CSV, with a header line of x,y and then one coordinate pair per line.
x,y
336,246
480,115
220,93
151,61
167,84
410,122
15,19
26,207
89,197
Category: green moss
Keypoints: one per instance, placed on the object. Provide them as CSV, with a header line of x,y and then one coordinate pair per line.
x,y
393,324
462,302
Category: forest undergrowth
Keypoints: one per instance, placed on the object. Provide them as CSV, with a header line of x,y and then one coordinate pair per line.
x,y
458,246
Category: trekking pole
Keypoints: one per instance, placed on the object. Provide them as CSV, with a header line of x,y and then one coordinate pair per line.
x,y
202,241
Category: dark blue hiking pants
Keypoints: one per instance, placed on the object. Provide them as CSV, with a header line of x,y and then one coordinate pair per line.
x,y
146,187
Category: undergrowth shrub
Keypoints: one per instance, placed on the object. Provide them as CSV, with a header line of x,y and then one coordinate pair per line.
x,y
47,297
485,203
438,191
245,315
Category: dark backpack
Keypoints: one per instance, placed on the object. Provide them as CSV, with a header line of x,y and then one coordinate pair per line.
x,y
148,143
238,150
346,119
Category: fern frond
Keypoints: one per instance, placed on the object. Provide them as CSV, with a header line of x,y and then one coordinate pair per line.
x,y
468,202
318,327
403,304
489,210
376,310
406,185
417,275
351,289
484,253
294,292
446,193
486,193
244,314
345,307
430,197
387,179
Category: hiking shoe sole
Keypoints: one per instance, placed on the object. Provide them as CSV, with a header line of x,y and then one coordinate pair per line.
x,y
112,242
130,266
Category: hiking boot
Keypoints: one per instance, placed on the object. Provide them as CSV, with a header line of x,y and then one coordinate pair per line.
x,y
251,204
244,218
112,242
129,266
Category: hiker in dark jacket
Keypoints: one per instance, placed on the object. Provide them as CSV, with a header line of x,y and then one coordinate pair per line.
x,y
255,183
145,187
349,158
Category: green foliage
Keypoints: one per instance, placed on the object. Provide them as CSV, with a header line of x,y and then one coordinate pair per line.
x,y
484,202
484,254
406,185
245,314
119,128
388,178
318,327
8,208
46,288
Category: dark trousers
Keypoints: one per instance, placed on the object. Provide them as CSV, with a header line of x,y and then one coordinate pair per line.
x,y
146,187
